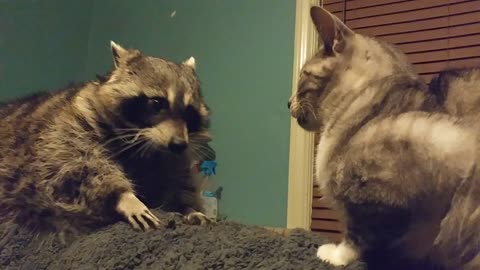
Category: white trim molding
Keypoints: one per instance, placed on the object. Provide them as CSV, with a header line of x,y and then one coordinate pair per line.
x,y
301,160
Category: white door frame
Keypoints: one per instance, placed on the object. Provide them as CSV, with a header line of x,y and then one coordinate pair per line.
x,y
301,160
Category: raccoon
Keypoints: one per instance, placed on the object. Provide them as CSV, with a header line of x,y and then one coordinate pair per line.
x,y
395,158
86,156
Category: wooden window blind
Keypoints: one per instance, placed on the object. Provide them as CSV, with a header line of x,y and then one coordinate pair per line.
x,y
435,35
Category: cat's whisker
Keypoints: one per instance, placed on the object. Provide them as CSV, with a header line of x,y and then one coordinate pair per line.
x,y
310,108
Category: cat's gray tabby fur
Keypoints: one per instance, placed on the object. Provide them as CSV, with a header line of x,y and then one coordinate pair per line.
x,y
399,161
78,158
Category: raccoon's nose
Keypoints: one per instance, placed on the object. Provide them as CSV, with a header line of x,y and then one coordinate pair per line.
x,y
177,146
289,104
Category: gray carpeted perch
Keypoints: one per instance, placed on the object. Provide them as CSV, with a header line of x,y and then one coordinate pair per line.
x,y
225,245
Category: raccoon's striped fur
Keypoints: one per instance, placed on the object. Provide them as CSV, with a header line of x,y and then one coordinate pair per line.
x,y
398,160
82,157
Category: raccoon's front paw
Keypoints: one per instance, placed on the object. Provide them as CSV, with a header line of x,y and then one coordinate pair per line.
x,y
136,212
338,255
197,218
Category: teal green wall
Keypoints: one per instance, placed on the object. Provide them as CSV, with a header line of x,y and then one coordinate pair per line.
x,y
43,44
244,53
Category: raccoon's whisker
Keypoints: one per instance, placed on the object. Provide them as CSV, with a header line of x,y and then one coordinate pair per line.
x,y
135,138
121,137
193,150
199,145
146,149
199,152
199,142
128,147
127,129
140,149
196,153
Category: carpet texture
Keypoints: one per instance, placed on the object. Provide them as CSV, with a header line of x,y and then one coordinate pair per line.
x,y
224,245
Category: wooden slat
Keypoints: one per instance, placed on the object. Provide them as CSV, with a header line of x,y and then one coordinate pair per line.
x,y
333,236
413,7
328,2
359,11
424,46
431,67
325,214
464,40
428,57
404,27
327,225
334,7
464,63
398,17
439,66
339,15
427,77
351,5
410,27
434,34
317,192
440,44
452,54
321,203
464,7
464,18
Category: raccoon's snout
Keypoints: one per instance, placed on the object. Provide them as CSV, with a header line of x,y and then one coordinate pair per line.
x,y
177,146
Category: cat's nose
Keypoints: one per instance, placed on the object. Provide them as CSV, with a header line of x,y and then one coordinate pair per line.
x,y
289,104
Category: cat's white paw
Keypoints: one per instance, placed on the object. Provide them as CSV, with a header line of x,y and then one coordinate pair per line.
x,y
338,255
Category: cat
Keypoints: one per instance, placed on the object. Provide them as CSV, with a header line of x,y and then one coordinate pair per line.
x,y
394,159
83,157
458,91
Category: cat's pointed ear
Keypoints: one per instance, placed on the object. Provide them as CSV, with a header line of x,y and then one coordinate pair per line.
x,y
332,30
118,52
190,62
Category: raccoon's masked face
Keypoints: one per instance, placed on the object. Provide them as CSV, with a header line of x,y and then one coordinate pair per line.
x,y
154,104
319,74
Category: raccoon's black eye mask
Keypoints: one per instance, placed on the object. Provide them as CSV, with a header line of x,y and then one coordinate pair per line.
x,y
146,111
192,118
142,110
157,104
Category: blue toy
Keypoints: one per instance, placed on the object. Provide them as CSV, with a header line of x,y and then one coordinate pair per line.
x,y
208,167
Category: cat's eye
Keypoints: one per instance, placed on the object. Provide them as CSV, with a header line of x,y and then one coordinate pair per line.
x,y
158,104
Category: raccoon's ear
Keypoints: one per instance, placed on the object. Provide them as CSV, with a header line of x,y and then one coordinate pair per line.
x,y
190,62
331,29
118,53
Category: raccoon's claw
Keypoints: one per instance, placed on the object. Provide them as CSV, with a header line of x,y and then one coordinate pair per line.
x,y
197,218
137,214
